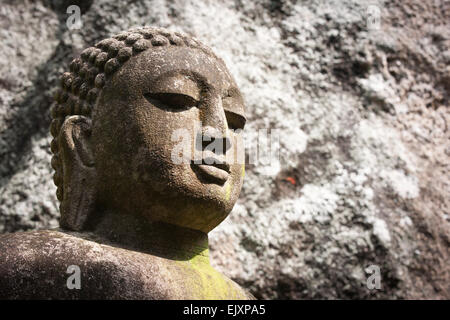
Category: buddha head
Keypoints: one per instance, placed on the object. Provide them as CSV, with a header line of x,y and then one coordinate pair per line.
x,y
124,112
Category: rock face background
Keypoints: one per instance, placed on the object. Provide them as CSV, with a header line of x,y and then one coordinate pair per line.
x,y
363,116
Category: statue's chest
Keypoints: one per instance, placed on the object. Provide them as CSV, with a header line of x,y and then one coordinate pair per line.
x,y
195,280
124,274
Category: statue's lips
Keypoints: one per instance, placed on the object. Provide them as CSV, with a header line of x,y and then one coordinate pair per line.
x,y
217,172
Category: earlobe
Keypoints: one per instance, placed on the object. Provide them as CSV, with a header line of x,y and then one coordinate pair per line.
x,y
78,172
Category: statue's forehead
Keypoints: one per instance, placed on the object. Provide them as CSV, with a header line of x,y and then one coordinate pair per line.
x,y
158,62
146,71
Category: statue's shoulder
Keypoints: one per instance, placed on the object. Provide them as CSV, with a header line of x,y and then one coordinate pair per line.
x,y
242,293
43,248
55,264
227,288
21,250
25,260
51,264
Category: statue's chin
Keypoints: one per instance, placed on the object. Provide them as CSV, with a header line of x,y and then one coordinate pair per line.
x,y
176,196
190,192
194,211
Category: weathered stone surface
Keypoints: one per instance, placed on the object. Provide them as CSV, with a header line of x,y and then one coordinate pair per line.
x,y
364,112
122,179
41,260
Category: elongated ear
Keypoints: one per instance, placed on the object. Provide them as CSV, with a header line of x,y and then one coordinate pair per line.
x,y
79,174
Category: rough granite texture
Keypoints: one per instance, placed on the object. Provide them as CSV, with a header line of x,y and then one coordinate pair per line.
x,y
38,261
363,114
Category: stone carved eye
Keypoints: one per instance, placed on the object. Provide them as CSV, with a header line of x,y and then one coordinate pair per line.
x,y
235,120
171,101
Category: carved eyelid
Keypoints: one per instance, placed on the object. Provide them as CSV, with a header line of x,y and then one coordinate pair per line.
x,y
233,117
171,101
230,96
179,84
177,95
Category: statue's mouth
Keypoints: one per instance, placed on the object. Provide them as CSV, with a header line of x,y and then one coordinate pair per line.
x,y
212,170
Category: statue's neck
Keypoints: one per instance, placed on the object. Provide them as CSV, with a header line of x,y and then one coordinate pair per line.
x,y
157,238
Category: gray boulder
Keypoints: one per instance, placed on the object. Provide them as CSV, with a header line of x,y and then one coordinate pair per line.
x,y
361,108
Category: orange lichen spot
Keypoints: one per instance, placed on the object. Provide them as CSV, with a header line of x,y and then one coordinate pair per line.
x,y
291,180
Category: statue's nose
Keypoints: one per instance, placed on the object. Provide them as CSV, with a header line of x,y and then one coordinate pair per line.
x,y
214,125
213,116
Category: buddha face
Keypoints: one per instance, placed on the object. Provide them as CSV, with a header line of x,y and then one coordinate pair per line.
x,y
161,101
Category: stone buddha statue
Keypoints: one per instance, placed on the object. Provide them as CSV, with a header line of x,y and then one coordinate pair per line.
x,y
134,220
